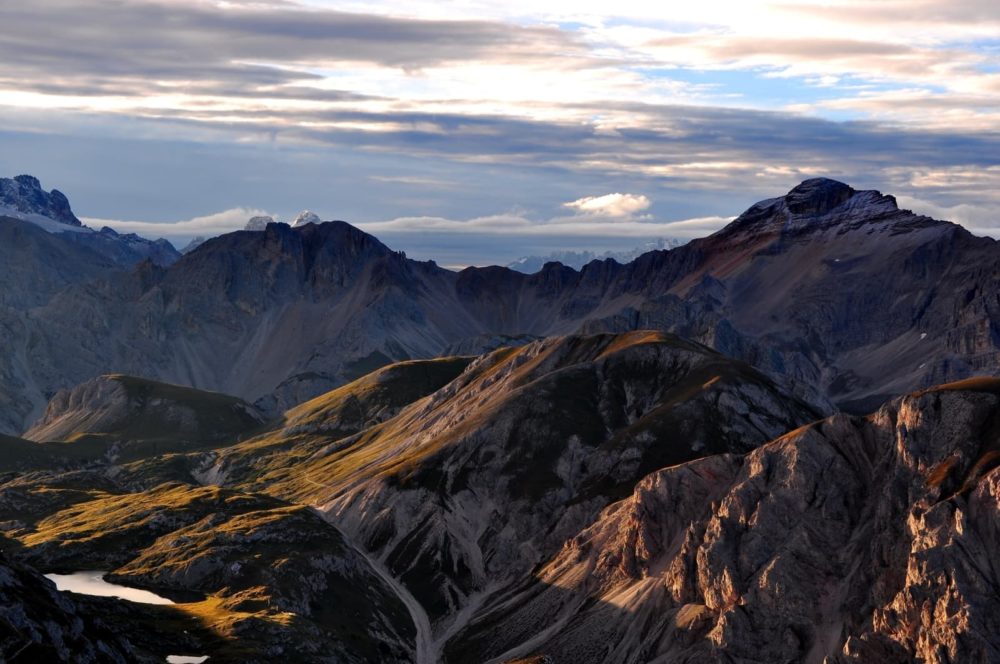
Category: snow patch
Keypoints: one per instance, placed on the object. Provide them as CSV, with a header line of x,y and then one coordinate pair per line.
x,y
43,222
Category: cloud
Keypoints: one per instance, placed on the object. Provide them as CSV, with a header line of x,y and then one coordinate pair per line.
x,y
484,101
211,224
513,225
610,205
186,40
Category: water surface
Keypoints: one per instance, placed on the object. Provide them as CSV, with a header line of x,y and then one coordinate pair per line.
x,y
93,583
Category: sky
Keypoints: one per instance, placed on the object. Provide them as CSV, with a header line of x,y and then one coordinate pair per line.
x,y
476,132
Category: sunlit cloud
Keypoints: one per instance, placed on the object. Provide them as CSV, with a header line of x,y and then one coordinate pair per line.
x,y
610,205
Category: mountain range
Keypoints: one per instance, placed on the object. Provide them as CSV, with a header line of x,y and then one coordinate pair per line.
x,y
777,443
578,259
882,301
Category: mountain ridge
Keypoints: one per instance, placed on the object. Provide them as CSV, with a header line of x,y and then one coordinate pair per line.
x,y
280,315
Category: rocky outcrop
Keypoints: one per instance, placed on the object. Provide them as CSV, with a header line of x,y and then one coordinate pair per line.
x,y
487,343
264,578
40,624
853,539
284,561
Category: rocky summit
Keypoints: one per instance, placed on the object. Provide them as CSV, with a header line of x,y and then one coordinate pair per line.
x,y
777,443
24,194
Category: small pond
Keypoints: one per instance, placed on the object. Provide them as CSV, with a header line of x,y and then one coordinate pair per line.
x,y
93,583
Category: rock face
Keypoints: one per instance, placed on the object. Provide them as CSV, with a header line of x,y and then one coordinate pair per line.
x,y
24,194
280,315
853,539
40,624
836,290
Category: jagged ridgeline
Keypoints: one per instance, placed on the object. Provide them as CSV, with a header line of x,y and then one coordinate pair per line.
x,y
312,448
839,291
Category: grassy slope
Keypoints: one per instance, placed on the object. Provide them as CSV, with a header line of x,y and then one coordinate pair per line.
x,y
358,407
389,388
400,448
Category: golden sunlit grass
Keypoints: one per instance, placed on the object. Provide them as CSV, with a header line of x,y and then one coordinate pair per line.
x,y
317,467
976,384
109,514
395,385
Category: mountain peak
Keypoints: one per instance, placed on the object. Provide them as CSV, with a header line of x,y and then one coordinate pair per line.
x,y
306,217
29,181
24,194
817,196
816,204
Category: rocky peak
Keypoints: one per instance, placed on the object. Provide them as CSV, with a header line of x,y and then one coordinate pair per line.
x,y
306,217
814,205
817,196
24,194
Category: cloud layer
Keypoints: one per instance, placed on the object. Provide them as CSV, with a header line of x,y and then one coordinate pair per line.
x,y
438,115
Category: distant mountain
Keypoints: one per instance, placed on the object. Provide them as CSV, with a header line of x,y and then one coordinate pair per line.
x,y
193,244
128,249
306,217
24,194
837,292
578,259
23,198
